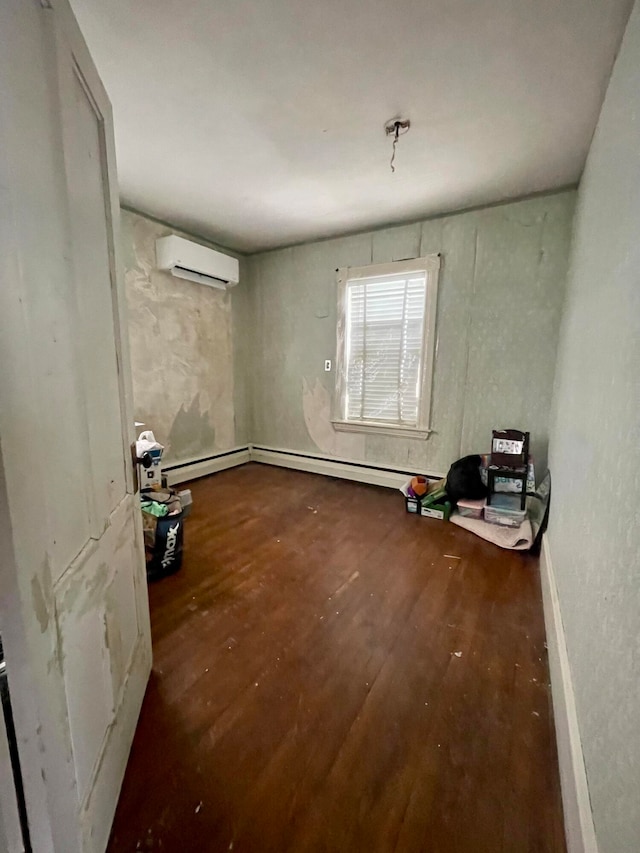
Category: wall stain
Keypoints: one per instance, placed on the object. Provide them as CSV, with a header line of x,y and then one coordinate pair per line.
x,y
316,404
181,346
41,598
498,315
192,431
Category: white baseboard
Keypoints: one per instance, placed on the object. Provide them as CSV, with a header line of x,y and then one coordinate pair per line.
x,y
376,475
180,472
578,819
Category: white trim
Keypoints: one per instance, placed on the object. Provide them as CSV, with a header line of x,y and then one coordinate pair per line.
x,y
195,468
430,265
342,468
381,427
346,469
578,819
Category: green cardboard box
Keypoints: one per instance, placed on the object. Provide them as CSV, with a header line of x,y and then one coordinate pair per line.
x,y
438,508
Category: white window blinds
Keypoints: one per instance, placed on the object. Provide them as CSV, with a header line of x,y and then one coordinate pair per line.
x,y
384,348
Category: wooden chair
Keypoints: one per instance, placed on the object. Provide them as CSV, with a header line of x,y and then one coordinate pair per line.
x,y
509,460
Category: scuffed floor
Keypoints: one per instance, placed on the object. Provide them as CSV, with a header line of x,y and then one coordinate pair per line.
x,y
332,674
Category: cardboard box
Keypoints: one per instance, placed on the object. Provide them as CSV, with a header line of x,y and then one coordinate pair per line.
x,y
437,510
412,504
431,505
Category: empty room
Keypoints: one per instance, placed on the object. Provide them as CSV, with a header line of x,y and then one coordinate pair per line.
x,y
319,426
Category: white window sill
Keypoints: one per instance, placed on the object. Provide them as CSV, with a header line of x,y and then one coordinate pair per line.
x,y
381,429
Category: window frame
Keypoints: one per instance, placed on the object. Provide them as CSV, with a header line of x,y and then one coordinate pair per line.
x,y
430,266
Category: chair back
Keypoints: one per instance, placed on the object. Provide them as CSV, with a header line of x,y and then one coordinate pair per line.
x,y
509,448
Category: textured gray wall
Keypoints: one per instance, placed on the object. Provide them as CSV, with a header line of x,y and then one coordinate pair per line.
x,y
502,286
187,350
594,533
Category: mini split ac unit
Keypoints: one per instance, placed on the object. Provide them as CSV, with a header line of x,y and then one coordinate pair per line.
x,y
194,262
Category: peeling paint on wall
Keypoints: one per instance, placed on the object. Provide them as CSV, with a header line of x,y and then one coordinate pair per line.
x,y
501,291
182,354
191,429
316,404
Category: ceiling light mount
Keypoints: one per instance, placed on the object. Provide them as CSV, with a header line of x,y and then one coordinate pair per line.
x,y
396,127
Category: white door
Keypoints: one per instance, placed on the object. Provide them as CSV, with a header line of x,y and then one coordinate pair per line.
x,y
73,597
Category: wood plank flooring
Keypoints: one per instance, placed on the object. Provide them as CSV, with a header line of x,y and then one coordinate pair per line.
x,y
327,679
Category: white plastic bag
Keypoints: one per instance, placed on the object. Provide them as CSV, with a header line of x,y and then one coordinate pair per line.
x,y
147,443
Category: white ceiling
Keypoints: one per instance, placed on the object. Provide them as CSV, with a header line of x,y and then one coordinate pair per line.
x,y
259,123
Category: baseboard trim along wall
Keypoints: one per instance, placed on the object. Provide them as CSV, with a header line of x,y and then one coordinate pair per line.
x,y
362,472
578,819
191,469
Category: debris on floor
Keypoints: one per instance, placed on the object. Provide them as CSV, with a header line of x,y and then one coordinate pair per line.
x,y
493,495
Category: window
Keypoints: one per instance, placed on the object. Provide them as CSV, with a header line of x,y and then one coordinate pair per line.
x,y
386,341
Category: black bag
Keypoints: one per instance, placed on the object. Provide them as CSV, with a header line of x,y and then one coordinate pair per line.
x,y
464,480
167,549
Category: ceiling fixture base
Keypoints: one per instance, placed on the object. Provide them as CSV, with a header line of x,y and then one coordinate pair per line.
x,y
397,127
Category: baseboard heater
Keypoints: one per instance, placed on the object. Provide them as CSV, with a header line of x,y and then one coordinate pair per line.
x,y
191,469
346,469
330,466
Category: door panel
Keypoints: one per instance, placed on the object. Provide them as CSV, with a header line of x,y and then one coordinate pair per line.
x,y
80,626
121,624
86,171
73,594
101,599
98,627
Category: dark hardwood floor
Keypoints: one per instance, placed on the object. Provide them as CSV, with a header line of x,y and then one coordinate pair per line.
x,y
327,678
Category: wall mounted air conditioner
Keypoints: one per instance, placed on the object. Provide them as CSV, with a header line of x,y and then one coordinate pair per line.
x,y
194,262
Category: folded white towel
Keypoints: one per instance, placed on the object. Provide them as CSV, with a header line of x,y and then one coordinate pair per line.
x,y
514,538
